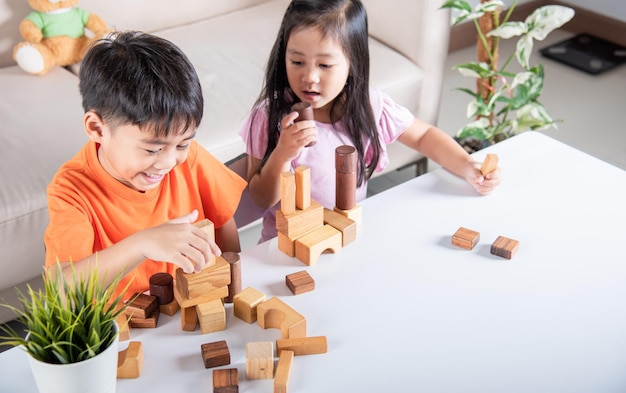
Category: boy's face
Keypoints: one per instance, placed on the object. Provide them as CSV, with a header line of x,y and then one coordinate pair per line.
x,y
136,158
317,69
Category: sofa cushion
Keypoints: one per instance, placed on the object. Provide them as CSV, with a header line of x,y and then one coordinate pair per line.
x,y
41,129
230,62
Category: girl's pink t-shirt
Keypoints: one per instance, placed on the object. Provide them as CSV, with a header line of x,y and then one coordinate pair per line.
x,y
391,118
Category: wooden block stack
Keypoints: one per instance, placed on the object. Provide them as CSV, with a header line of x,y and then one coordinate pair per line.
x,y
143,311
305,228
200,295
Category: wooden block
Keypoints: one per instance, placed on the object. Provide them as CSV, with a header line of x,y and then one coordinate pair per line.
x,y
283,371
207,226
286,244
226,380
504,247
287,193
301,221
170,308
141,305
211,316
215,354
355,214
123,325
235,274
274,313
162,287
465,238
130,361
260,360
192,285
188,318
311,245
303,187
151,322
345,177
302,345
299,282
343,224
490,164
218,293
245,304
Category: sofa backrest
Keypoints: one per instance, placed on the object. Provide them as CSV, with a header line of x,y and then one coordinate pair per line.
x,y
144,15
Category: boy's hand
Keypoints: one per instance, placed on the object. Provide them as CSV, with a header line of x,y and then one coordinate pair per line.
x,y
294,136
482,184
180,242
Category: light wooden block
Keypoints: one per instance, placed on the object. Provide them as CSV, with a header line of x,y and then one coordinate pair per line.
x,y
170,308
215,354
300,282
188,319
287,193
245,304
465,238
150,322
260,360
490,164
141,305
286,244
192,285
207,226
303,187
123,325
226,380
355,214
301,221
311,245
343,224
218,293
302,345
276,314
211,316
283,371
130,361
504,247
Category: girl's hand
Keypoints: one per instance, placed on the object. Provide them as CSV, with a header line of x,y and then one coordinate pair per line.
x,y
294,136
482,184
180,242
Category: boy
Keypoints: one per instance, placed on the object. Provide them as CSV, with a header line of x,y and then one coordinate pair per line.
x,y
128,199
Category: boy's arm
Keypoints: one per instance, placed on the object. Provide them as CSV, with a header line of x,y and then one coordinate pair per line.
x,y
445,151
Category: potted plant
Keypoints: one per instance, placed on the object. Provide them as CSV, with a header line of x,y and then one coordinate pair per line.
x,y
71,328
504,103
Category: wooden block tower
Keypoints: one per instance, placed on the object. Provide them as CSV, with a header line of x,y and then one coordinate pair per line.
x,y
305,228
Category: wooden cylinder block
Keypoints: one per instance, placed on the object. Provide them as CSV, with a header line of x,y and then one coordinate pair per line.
x,y
235,274
305,112
162,287
345,167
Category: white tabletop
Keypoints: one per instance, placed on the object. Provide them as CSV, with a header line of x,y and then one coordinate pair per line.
x,y
405,311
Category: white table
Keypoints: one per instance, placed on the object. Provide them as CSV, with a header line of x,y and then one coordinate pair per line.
x,y
404,311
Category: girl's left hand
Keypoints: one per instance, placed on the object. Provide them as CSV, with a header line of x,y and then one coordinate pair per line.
x,y
483,184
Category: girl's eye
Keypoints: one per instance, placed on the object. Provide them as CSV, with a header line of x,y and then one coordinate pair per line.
x,y
296,63
152,152
325,65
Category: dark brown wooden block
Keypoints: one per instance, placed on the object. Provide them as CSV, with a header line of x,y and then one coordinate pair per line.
x,y
151,321
465,238
142,306
235,274
188,319
226,380
300,282
162,287
504,247
215,354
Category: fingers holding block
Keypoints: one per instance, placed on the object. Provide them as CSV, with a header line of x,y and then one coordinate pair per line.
x,y
490,164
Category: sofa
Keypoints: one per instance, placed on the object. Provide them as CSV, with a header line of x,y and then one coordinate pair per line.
x,y
228,42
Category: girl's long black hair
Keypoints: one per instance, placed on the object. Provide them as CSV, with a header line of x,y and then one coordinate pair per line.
x,y
346,21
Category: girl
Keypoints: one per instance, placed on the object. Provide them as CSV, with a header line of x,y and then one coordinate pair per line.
x,y
321,56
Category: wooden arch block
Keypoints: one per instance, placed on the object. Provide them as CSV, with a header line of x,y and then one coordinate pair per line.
x,y
311,245
130,361
274,313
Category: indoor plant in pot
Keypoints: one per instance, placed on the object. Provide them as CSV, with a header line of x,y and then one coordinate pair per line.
x,y
504,102
71,332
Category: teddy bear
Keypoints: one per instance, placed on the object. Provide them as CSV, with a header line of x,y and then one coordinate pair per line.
x,y
55,35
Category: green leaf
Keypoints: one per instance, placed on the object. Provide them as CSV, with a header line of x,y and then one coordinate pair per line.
x,y
508,30
547,18
474,69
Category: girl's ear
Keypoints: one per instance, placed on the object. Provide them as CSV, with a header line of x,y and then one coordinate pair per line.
x,y
94,126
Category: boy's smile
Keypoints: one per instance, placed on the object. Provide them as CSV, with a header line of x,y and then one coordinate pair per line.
x,y
137,158
317,69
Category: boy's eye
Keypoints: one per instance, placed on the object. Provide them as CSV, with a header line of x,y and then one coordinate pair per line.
x,y
182,147
152,152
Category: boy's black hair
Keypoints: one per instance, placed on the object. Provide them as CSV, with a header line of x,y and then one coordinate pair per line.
x,y
141,79
346,21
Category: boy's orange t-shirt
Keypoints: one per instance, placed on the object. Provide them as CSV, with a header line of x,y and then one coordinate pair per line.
x,y
90,210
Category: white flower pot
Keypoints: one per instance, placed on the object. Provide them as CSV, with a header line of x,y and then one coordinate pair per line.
x,y
95,375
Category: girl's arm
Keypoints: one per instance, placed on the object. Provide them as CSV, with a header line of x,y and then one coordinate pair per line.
x,y
264,185
445,151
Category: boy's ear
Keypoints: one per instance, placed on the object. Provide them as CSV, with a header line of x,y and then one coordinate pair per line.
x,y
94,126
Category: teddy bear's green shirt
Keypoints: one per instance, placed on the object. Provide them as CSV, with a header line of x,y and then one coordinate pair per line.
x,y
69,23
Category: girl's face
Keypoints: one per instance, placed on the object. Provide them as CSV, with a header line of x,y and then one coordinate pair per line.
x,y
317,69
137,158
